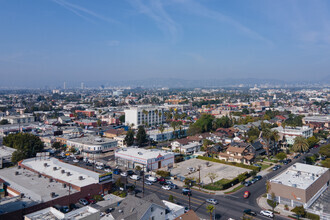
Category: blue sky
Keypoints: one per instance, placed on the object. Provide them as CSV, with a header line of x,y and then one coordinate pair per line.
x,y
46,42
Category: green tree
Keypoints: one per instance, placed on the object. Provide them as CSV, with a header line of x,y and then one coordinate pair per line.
x,y
204,123
26,145
212,176
281,156
325,150
210,209
300,211
161,130
129,139
171,198
56,145
300,144
272,202
141,136
245,111
99,123
312,141
326,163
122,119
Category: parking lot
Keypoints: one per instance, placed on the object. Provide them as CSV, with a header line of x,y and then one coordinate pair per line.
x,y
222,170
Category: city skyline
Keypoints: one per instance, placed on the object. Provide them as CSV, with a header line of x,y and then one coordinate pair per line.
x,y
55,41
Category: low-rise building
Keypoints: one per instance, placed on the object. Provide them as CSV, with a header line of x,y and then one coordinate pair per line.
x,y
167,134
290,133
237,154
19,119
152,159
189,148
300,184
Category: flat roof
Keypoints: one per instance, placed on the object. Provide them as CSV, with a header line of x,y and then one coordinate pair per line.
x,y
142,153
12,204
299,175
6,151
94,140
38,164
34,187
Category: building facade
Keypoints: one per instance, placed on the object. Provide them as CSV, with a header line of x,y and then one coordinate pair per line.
x,y
144,115
290,133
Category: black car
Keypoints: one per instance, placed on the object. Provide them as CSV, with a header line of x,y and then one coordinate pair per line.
x,y
289,160
186,191
130,172
249,212
248,183
258,177
162,182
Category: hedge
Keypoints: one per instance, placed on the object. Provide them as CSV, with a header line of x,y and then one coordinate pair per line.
x,y
224,183
312,216
254,168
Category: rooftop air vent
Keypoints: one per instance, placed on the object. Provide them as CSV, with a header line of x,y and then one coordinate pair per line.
x,y
50,180
68,173
16,173
54,168
81,177
120,211
45,164
62,171
64,185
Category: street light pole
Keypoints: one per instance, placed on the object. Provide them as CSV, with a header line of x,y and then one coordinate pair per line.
x,y
189,194
143,181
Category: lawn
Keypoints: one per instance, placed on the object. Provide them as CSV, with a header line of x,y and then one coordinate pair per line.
x,y
235,189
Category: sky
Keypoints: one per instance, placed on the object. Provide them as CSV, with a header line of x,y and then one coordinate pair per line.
x,y
47,42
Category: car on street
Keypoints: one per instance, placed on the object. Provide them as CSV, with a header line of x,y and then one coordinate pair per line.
x,y
166,187
123,174
89,164
162,182
65,209
107,211
99,167
212,201
254,180
289,160
169,182
135,177
75,160
107,170
173,186
186,191
246,194
83,201
152,179
267,213
148,183
276,167
161,179
249,212
258,177
130,172
247,183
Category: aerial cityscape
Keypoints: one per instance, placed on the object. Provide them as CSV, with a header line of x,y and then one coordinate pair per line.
x,y
170,110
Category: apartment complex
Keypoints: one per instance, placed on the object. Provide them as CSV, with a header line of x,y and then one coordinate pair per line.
x,y
19,119
290,133
300,184
144,114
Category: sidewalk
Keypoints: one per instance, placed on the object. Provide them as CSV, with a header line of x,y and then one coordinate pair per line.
x,y
262,203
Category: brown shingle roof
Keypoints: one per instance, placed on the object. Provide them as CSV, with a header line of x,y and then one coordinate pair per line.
x,y
236,149
190,215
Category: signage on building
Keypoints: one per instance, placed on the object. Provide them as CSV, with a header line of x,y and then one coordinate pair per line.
x,y
159,158
105,177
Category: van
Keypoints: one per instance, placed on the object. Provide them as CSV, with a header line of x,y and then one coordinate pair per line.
x,y
135,177
152,179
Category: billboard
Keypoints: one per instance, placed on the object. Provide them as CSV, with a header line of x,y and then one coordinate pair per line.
x,y
105,177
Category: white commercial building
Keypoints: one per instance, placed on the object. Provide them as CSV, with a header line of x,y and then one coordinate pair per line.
x,y
167,134
142,115
92,144
290,133
19,119
152,159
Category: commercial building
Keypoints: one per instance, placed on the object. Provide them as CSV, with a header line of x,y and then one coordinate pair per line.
x,y
167,134
152,159
145,114
92,145
300,184
5,156
317,121
84,213
85,112
290,133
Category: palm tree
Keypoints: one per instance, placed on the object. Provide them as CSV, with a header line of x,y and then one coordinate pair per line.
x,y
210,209
275,137
161,129
300,144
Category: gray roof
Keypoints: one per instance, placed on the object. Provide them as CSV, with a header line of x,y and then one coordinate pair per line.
x,y
134,208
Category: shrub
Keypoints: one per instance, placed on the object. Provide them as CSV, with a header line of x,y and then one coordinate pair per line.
x,y
163,173
98,198
312,216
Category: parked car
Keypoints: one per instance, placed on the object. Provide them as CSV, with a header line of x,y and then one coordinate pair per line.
x,y
169,182
83,201
258,177
162,182
99,167
151,179
75,160
130,172
253,180
166,187
256,165
161,179
212,201
89,164
107,170
135,177
247,183
173,186
267,213
148,183
289,160
73,206
276,167
65,209
90,200
123,174
116,171
246,194
107,211
249,212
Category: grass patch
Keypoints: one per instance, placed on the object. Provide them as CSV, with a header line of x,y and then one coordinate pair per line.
x,y
235,189
264,166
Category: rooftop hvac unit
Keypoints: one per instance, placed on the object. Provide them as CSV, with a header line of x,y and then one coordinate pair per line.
x,y
68,173
50,180
54,168
120,211
39,175
52,194
81,177
45,164
62,171
19,167
64,185
140,153
16,173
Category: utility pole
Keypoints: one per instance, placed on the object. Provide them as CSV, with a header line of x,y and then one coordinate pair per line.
x,y
143,181
199,176
189,194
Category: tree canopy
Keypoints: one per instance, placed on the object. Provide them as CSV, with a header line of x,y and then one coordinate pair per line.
x,y
203,124
26,145
129,139
141,136
300,144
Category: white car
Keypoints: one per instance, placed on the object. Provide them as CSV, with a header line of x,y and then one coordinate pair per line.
x,y
123,174
75,160
135,177
166,187
107,170
212,201
168,182
99,167
152,179
267,213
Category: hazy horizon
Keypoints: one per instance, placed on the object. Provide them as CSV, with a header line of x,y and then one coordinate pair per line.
x,y
54,41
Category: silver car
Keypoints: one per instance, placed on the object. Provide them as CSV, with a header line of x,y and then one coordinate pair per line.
x,y
212,201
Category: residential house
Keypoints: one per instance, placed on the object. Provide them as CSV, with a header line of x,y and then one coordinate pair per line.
x,y
237,153
111,133
186,146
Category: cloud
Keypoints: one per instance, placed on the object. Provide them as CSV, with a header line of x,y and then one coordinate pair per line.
x,y
198,9
113,43
157,13
83,12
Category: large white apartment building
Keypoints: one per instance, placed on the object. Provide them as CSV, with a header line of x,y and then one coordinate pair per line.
x,y
144,114
290,133
19,119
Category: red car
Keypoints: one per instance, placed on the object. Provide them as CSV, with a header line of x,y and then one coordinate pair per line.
x,y
90,200
161,179
246,194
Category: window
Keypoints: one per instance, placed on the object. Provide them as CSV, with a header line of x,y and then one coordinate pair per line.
x,y
152,209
